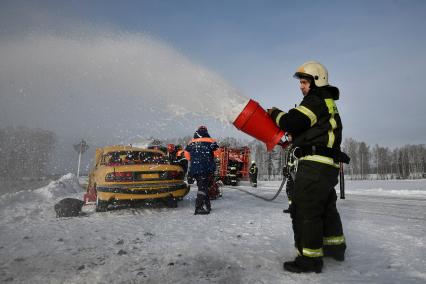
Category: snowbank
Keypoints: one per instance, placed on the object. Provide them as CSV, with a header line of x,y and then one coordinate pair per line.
x,y
243,240
387,187
39,202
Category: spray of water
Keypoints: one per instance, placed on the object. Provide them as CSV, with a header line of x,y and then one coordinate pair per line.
x,y
127,84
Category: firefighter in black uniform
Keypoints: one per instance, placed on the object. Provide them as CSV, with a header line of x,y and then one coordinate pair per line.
x,y
253,174
316,132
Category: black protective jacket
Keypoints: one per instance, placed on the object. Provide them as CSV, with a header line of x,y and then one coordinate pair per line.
x,y
253,170
315,122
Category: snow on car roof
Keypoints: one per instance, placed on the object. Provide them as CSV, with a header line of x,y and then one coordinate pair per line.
x,y
116,148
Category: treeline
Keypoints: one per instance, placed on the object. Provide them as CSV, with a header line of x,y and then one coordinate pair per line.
x,y
25,152
406,162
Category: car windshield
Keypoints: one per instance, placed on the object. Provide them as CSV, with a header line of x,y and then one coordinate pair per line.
x,y
132,158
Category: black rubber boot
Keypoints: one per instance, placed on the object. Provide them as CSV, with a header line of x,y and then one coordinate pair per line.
x,y
335,252
201,211
336,256
208,204
288,210
304,265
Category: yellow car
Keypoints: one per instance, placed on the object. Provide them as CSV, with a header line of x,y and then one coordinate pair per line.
x,y
126,173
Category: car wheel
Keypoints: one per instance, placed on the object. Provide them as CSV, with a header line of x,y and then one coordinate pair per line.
x,y
171,202
101,205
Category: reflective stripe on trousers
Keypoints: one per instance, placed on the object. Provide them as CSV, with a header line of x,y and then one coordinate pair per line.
x,y
312,252
334,240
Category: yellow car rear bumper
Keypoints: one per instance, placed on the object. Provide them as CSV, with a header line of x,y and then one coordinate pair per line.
x,y
142,191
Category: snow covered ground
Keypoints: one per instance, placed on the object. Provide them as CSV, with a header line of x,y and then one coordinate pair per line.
x,y
243,240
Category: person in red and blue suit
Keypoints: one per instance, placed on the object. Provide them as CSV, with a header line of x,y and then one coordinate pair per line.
x,y
199,152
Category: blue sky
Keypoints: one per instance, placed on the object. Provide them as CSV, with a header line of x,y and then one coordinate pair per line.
x,y
375,51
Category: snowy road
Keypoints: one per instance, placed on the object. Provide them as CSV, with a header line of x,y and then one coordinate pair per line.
x,y
244,240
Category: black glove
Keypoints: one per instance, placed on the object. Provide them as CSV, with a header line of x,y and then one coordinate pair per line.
x,y
344,158
271,110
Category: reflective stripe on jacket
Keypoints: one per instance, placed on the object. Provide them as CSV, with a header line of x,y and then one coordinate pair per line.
x,y
315,122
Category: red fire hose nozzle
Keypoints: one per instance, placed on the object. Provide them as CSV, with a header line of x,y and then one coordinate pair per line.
x,y
256,122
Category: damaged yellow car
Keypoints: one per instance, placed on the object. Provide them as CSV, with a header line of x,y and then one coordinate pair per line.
x,y
126,173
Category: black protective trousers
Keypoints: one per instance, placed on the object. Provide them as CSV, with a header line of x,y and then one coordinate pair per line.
x,y
204,182
253,178
316,221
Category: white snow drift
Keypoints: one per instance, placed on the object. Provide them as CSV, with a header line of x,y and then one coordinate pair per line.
x,y
243,240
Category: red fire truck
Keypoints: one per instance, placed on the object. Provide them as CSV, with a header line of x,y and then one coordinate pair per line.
x,y
232,164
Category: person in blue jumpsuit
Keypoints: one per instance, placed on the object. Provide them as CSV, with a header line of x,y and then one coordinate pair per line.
x,y
200,151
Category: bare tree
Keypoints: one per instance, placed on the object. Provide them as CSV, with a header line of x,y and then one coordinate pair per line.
x,y
405,162
350,147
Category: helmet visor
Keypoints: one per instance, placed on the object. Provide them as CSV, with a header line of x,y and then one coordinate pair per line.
x,y
301,75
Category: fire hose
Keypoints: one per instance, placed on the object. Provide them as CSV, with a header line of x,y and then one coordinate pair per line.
x,y
286,171
262,197
290,166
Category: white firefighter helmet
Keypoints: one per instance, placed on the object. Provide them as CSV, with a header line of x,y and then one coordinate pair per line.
x,y
313,70
253,162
